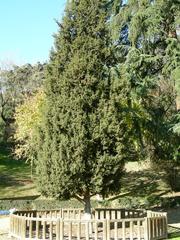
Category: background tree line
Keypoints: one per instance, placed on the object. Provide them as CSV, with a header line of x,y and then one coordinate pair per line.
x,y
17,83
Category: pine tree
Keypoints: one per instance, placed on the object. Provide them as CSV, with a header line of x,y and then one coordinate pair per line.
x,y
146,31
84,139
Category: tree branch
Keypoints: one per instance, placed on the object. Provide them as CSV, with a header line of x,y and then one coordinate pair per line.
x,y
79,198
93,194
118,196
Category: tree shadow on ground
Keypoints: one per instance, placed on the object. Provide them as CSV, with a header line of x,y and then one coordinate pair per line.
x,y
173,232
11,166
8,181
143,183
174,216
29,197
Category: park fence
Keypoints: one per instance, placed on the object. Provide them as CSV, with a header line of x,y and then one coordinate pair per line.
x,y
105,224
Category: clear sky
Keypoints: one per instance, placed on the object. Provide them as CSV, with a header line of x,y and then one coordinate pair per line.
x,y
26,29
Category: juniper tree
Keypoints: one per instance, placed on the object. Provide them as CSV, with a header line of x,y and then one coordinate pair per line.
x,y
84,139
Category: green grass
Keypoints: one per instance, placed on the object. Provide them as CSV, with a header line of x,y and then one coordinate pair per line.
x,y
15,176
16,182
176,238
174,232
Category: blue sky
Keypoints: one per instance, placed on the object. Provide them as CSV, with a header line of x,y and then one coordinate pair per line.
x,y
26,29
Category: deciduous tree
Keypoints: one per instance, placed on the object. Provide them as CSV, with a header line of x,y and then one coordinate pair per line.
x,y
16,84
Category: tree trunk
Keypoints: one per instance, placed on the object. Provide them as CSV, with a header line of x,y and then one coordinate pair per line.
x,y
87,210
87,203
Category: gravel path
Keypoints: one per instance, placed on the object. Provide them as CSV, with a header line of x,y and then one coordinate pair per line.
x,y
4,228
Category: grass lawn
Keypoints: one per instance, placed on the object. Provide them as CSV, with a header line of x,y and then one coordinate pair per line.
x,y
176,238
15,177
16,182
174,232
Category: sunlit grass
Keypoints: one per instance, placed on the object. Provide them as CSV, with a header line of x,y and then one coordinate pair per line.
x,y
176,238
15,176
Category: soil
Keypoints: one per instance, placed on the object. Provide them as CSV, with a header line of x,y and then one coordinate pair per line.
x,y
4,227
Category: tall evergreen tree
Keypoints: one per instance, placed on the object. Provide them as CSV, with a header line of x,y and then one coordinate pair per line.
x,y
84,138
147,33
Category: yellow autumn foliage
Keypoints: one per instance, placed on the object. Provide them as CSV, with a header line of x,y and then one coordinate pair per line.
x,y
27,120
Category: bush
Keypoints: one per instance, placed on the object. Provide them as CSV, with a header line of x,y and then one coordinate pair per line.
x,y
152,201
141,203
19,204
172,178
130,202
171,202
38,204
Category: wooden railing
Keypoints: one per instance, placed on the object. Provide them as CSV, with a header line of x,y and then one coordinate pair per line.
x,y
71,213
78,213
114,213
51,225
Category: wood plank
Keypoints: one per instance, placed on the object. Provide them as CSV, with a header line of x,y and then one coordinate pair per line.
x,y
115,230
96,230
58,229
79,230
51,230
138,230
37,229
30,229
147,228
70,230
123,230
131,230
22,223
61,229
44,229
87,231
108,230
104,230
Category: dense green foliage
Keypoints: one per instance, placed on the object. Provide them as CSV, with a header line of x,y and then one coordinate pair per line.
x,y
85,137
149,50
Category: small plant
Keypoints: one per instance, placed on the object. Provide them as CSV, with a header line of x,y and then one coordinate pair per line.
x,y
130,202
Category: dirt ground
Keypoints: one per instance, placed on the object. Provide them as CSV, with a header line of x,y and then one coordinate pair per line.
x,y
4,228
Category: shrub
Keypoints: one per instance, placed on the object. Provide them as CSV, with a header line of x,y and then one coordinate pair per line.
x,y
38,204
